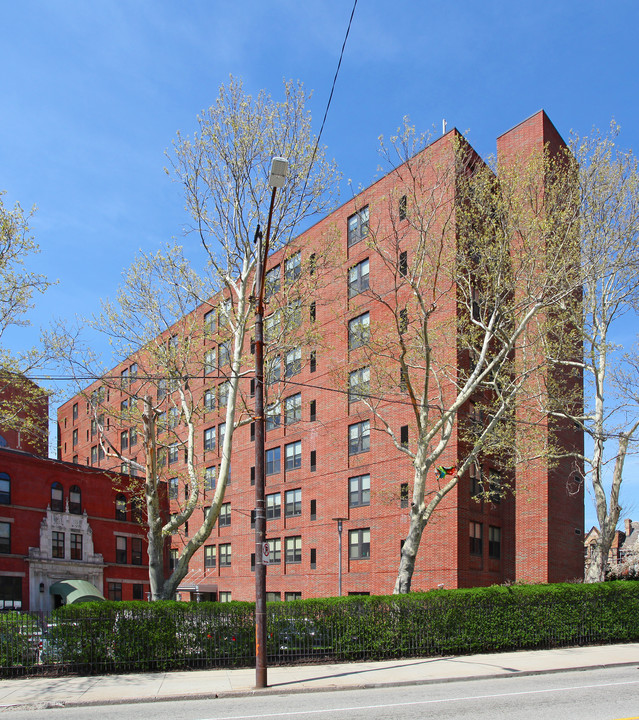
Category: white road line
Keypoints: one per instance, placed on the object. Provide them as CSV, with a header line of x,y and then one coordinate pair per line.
x,y
300,713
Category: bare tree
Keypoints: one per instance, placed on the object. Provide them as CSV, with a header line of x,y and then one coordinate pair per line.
x,y
609,230
22,403
180,326
474,263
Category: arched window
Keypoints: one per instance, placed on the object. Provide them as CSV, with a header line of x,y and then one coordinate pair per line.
x,y
5,489
75,500
57,497
120,507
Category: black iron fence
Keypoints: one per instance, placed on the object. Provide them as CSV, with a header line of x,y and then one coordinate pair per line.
x,y
131,637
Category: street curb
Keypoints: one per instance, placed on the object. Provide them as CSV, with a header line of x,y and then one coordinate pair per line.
x,y
284,690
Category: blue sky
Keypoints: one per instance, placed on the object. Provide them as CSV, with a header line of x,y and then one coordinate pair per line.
x,y
93,94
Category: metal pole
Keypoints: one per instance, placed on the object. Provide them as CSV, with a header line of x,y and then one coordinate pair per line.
x,y
339,557
260,509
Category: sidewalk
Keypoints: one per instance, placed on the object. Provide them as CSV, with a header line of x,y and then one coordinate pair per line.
x,y
106,689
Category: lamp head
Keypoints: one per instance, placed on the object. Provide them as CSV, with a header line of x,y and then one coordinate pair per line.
x,y
279,170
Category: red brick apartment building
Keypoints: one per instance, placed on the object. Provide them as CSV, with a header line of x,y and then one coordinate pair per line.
x,y
63,522
327,459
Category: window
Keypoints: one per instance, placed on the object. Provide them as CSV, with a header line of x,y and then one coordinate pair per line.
x,y
359,544
174,453
273,416
210,322
75,437
115,591
75,412
5,537
313,361
312,313
313,460
403,263
120,549
76,546
313,411
359,331
124,440
403,202
275,551
224,518
293,504
290,596
273,506
5,489
403,495
136,551
313,558
494,542
160,423
225,555
358,278
357,226
359,491
293,456
124,378
225,353
273,370
173,488
272,282
174,418
293,547
210,477
173,558
293,267
294,314
209,439
359,437
57,544
94,455
313,509
403,321
293,362
293,409
475,532
272,327
57,497
223,393
224,596
161,389
273,596
210,362
120,507
209,399
138,591
221,431
226,310
10,593
210,556
403,435
273,461
358,384
252,431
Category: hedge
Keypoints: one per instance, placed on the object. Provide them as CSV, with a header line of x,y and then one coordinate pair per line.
x,y
141,636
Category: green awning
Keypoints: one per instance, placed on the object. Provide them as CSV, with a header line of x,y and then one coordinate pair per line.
x,y
74,591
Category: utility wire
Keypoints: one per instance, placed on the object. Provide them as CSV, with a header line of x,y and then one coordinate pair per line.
x,y
328,105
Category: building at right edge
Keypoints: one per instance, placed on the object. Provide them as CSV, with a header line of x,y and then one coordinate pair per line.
x,y
327,456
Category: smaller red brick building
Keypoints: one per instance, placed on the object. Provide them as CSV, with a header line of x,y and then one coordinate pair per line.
x,y
61,521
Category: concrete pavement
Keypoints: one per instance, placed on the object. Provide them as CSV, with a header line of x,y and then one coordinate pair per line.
x,y
143,687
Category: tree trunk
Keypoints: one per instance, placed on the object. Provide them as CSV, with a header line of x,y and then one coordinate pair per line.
x,y
409,553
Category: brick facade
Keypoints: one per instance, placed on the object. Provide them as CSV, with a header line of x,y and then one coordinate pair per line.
x,y
62,521
534,535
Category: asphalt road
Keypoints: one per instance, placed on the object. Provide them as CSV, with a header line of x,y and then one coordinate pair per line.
x,y
600,694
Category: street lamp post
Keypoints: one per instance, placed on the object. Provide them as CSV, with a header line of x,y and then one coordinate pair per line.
x,y
339,520
279,167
